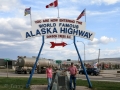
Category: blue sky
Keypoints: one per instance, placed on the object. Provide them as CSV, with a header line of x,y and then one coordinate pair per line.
x,y
102,17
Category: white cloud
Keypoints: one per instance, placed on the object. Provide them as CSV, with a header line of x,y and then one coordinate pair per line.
x,y
92,51
102,40
4,23
104,53
32,46
107,2
95,41
98,2
74,0
13,24
7,5
18,23
106,40
10,38
7,43
110,52
2,35
102,13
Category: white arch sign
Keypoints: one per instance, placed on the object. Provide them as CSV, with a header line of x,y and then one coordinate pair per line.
x,y
58,28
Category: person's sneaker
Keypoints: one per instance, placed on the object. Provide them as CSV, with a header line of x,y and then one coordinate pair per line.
x,y
73,88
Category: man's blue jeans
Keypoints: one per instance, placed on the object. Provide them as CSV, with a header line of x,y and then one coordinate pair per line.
x,y
72,78
49,83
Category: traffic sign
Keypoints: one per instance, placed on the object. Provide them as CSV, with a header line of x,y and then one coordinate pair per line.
x,y
58,61
7,59
68,59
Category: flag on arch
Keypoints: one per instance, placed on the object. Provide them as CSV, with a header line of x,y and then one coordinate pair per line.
x,y
82,14
53,4
27,11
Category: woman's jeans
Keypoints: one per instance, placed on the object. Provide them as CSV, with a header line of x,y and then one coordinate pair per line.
x,y
49,83
72,78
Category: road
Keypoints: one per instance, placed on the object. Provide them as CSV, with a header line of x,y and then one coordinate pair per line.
x,y
101,78
108,75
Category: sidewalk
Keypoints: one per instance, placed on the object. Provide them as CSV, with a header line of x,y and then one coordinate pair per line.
x,y
44,87
110,73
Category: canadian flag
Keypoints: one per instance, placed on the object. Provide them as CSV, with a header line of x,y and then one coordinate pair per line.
x,y
53,4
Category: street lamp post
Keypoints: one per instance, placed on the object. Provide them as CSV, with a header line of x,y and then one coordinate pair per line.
x,y
98,57
84,50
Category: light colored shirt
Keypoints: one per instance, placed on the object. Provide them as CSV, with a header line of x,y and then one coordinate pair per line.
x,y
73,70
49,72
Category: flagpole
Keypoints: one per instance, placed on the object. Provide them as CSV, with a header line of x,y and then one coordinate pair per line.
x,y
30,17
85,14
58,9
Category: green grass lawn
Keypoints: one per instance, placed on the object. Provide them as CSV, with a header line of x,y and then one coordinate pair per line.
x,y
100,85
19,84
5,70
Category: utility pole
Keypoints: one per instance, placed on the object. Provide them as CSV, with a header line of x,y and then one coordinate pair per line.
x,y
98,57
7,69
7,60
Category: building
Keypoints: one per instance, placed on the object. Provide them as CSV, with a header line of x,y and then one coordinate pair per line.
x,y
104,63
3,63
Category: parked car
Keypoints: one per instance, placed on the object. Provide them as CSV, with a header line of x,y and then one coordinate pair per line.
x,y
90,71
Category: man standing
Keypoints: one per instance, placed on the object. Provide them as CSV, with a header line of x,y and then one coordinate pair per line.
x,y
49,76
73,72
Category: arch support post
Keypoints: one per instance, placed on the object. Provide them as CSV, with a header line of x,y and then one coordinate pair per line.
x,y
90,85
33,69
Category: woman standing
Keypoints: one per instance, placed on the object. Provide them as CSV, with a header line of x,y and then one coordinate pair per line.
x,y
49,76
